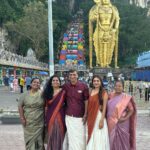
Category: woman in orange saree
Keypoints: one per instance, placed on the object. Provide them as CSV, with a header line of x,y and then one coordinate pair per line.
x,y
54,114
98,138
121,119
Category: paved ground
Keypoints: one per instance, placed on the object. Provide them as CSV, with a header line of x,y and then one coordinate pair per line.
x,y
11,136
143,133
8,99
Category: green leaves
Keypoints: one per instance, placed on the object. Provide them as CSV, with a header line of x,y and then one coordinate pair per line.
x,y
32,26
27,24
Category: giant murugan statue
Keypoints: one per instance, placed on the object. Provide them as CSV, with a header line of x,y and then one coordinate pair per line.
x,y
105,36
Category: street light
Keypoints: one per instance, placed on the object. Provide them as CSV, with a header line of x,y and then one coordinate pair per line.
x,y
51,48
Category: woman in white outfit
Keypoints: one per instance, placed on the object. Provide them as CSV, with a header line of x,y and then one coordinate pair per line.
x,y
97,132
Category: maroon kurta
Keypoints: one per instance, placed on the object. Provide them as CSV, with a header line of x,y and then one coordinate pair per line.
x,y
76,95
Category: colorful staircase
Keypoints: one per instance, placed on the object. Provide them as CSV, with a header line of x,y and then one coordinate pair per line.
x,y
72,52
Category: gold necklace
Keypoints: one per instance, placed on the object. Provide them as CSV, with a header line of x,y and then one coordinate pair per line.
x,y
106,8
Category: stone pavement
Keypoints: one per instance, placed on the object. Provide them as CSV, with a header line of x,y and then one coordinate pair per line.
x,y
8,99
143,133
11,136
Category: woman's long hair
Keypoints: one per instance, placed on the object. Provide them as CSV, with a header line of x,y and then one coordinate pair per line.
x,y
48,89
101,89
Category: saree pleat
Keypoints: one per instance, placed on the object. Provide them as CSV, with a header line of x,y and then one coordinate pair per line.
x,y
34,141
93,107
55,140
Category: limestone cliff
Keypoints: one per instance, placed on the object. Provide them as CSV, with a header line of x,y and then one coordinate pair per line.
x,y
140,3
71,4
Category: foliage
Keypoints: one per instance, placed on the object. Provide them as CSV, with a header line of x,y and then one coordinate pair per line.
x,y
11,10
86,7
28,26
134,32
61,21
33,26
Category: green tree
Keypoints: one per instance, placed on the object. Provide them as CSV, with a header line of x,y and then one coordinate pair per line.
x,y
32,26
11,10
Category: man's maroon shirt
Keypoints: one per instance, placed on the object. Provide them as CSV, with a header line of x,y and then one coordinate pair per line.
x,y
76,95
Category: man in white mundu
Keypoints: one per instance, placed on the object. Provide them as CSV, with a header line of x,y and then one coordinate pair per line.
x,y
77,94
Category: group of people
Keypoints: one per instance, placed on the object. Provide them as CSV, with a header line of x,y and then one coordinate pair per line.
x,y
15,83
139,89
76,117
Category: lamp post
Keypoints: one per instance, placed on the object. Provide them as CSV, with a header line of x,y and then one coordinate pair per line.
x,y
50,29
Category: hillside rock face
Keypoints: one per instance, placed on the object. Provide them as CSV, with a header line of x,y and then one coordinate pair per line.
x,y
5,43
71,4
140,3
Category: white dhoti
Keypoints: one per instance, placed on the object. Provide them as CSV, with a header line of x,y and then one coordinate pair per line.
x,y
75,138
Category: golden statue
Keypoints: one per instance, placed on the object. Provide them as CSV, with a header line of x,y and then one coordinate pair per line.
x,y
105,37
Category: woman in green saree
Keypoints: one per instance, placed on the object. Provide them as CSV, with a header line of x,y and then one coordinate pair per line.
x,y
31,110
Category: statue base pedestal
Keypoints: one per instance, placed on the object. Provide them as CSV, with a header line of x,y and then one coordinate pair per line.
x,y
115,71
